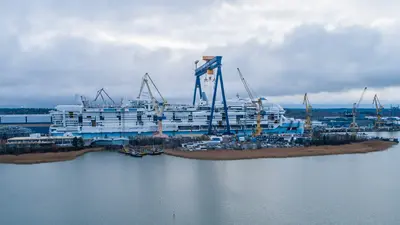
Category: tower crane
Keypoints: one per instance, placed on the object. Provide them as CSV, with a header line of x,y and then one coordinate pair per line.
x,y
354,125
308,106
158,107
379,109
257,102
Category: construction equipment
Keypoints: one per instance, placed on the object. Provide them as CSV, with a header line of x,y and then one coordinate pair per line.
x,y
246,86
256,102
212,62
307,125
259,110
158,107
100,94
84,101
106,100
379,109
354,125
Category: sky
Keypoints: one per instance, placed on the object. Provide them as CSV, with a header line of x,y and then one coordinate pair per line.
x,y
52,51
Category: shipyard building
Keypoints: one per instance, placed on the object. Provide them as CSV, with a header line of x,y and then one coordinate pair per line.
x,y
37,123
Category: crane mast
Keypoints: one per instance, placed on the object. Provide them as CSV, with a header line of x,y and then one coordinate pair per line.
x,y
308,106
158,107
258,127
354,125
379,108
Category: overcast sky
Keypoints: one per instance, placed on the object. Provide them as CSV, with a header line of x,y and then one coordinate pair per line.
x,y
52,50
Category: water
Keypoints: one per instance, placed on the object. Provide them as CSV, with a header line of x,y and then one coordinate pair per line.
x,y
108,188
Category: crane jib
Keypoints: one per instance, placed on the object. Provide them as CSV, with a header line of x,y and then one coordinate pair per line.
x,y
210,65
361,98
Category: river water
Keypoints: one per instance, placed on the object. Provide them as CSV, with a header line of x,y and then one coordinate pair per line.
x,y
109,188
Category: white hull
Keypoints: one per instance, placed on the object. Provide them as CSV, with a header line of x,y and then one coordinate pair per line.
x,y
139,118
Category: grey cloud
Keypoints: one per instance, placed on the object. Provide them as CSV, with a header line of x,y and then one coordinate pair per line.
x,y
99,9
310,59
76,65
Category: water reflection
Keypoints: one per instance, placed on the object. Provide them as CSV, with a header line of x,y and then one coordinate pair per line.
x,y
108,188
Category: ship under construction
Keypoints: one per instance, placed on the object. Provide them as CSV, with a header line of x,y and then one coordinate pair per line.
x,y
151,114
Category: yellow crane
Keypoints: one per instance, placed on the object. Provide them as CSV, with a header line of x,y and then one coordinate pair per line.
x,y
158,107
258,127
257,102
379,109
354,125
308,106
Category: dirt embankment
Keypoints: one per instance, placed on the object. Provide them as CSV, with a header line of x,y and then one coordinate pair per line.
x,y
363,147
32,158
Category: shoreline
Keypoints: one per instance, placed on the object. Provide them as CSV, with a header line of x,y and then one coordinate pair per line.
x,y
355,148
35,158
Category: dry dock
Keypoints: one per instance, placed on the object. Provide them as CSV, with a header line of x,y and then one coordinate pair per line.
x,y
363,147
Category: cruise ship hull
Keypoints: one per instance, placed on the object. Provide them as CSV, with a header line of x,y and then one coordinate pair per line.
x,y
140,118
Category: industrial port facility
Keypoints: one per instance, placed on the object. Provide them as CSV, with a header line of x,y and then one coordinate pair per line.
x,y
150,114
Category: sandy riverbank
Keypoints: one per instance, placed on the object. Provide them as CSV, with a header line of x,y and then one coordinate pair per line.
x,y
32,158
363,147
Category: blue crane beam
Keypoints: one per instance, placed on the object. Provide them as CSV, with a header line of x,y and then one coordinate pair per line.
x,y
210,65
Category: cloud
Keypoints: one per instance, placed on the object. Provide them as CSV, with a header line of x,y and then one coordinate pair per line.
x,y
313,59
52,49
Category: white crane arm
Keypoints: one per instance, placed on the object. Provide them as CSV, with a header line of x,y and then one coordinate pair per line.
x,y
246,86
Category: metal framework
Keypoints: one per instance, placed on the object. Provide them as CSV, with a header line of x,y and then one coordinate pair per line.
x,y
102,99
213,63
308,106
354,125
258,130
257,102
158,106
100,94
246,86
379,108
85,102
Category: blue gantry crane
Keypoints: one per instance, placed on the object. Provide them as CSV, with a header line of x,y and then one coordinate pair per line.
x,y
212,62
